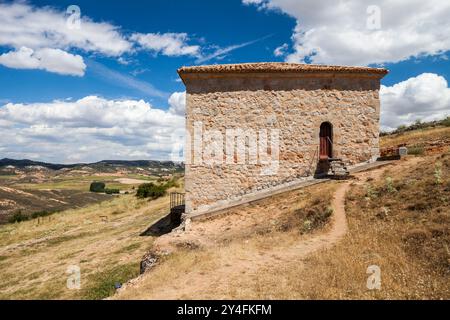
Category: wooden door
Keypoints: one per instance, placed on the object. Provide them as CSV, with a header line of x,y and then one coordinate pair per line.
x,y
326,141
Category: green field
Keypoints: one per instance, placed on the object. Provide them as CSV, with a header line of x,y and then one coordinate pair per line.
x,y
82,183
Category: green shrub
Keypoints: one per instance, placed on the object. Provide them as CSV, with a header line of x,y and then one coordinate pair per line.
x,y
418,125
171,183
97,187
438,173
371,193
18,217
446,122
100,285
316,217
401,128
112,191
390,185
416,150
150,190
44,213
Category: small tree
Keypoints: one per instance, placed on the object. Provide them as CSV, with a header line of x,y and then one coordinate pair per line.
x,y
97,187
18,217
150,190
446,122
112,191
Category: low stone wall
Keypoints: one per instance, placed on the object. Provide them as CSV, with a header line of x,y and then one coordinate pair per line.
x,y
222,207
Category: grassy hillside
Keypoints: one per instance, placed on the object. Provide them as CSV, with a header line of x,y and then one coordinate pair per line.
x,y
398,219
28,191
102,239
425,138
233,257
16,202
401,223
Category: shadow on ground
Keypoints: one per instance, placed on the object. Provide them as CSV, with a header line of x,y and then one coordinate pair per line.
x,y
160,227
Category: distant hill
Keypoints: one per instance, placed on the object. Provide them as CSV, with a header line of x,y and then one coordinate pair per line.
x,y
137,163
105,163
26,163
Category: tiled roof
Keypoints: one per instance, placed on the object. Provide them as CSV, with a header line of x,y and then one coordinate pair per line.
x,y
278,67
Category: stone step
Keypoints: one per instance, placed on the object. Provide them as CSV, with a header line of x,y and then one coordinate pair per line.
x,y
338,168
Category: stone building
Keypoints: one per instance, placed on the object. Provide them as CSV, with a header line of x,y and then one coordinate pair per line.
x,y
290,120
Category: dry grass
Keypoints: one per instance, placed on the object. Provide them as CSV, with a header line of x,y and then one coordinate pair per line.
x,y
232,260
102,239
416,137
401,226
399,222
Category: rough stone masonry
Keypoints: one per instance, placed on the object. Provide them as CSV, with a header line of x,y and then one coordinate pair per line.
x,y
292,100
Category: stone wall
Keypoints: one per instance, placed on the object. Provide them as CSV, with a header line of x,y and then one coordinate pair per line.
x,y
296,104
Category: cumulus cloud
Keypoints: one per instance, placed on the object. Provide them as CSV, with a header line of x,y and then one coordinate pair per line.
x,y
347,33
22,25
177,102
425,97
31,31
52,60
94,128
86,130
41,38
169,44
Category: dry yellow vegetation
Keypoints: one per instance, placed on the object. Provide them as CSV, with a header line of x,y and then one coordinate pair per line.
x,y
398,220
401,223
102,239
233,256
416,137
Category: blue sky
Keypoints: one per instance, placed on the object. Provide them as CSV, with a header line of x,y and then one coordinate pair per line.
x,y
65,93
236,24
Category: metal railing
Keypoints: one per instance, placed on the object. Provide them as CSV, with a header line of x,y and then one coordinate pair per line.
x,y
313,163
176,199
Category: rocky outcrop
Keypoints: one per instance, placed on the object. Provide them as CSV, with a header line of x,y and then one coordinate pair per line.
x,y
149,260
338,169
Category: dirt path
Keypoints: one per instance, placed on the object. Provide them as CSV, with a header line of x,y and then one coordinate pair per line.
x,y
215,284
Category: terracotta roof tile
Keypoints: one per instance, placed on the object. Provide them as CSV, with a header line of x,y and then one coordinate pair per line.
x,y
278,67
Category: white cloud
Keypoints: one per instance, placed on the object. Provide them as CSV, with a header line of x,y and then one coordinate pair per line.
x,y
425,97
281,50
52,60
95,128
42,38
177,102
87,130
169,44
337,32
21,25
176,44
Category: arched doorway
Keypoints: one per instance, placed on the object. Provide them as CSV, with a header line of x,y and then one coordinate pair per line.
x,y
326,141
